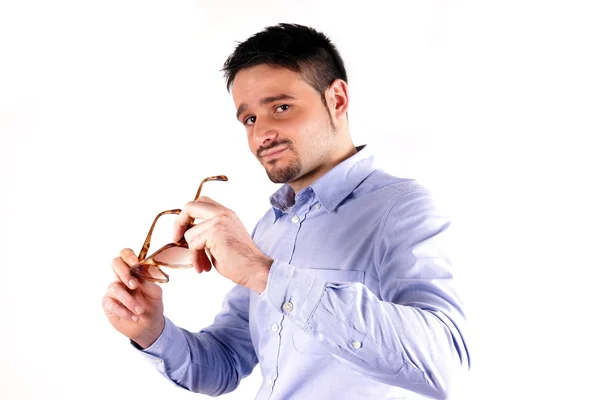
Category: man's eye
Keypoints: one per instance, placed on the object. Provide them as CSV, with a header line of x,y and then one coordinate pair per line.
x,y
283,107
250,120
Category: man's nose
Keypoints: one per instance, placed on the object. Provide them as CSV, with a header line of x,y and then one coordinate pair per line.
x,y
264,133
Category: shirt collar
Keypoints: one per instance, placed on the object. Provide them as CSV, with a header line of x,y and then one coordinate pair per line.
x,y
333,187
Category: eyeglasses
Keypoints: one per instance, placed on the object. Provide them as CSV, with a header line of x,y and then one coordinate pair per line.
x,y
172,255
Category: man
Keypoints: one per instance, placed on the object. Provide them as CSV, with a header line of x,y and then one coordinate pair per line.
x,y
342,289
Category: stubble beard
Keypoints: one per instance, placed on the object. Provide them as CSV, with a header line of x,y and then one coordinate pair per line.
x,y
285,173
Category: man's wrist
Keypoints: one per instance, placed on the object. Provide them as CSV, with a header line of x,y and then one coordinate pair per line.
x,y
150,338
258,283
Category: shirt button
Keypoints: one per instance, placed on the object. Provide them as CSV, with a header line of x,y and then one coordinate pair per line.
x,y
317,206
356,344
287,306
274,327
269,382
295,219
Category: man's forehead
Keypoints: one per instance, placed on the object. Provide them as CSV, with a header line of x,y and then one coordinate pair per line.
x,y
249,87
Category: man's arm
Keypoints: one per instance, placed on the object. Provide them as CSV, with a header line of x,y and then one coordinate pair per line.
x,y
214,360
413,337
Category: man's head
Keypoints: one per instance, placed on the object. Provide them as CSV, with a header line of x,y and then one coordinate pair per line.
x,y
289,86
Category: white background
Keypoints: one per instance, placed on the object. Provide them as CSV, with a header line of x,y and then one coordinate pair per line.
x,y
111,111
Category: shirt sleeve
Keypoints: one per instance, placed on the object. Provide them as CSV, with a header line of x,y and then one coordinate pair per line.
x,y
214,360
412,335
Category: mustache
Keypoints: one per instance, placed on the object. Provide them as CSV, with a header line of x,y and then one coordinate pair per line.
x,y
262,149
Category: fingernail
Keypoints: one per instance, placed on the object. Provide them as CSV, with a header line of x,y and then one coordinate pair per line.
x,y
139,309
132,284
135,318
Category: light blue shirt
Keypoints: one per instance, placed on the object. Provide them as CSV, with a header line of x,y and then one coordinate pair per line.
x,y
359,302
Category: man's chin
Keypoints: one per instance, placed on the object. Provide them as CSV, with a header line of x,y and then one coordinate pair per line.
x,y
276,178
281,175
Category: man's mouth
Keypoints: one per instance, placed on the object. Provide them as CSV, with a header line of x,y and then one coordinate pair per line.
x,y
273,153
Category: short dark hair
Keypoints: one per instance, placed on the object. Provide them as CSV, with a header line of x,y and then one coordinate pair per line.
x,y
297,47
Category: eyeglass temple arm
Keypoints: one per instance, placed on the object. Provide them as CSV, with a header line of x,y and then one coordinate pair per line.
x,y
210,178
146,246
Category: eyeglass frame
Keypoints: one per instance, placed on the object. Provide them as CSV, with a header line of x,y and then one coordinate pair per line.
x,y
149,260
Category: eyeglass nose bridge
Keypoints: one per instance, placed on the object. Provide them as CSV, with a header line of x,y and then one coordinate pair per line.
x,y
142,270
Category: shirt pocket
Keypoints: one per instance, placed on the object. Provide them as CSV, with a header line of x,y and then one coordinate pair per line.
x,y
303,342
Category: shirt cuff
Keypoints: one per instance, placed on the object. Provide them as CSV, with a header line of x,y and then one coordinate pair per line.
x,y
293,291
167,350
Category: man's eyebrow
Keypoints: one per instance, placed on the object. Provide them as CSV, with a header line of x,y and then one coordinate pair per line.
x,y
266,100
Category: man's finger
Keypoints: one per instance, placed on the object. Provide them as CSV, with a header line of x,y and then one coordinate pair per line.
x,y
121,271
118,292
201,262
194,209
129,256
198,250
113,307
199,254
199,229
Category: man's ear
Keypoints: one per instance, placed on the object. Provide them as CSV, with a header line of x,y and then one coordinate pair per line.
x,y
337,98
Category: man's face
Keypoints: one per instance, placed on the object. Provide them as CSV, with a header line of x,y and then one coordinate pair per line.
x,y
289,129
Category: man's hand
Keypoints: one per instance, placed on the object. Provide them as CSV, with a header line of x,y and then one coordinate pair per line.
x,y
133,307
223,237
